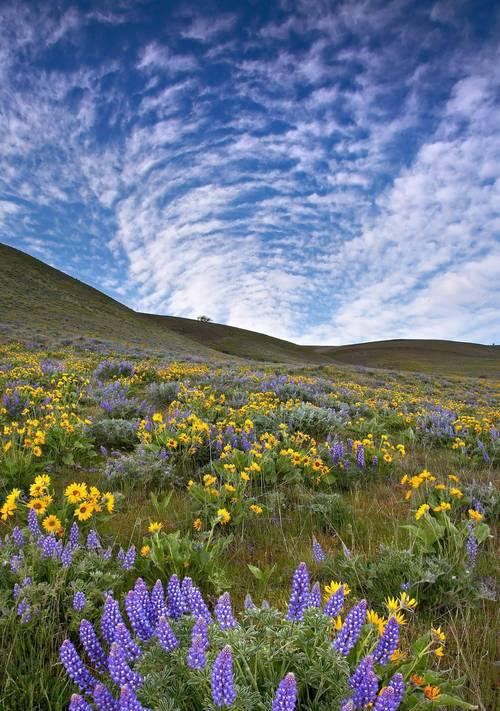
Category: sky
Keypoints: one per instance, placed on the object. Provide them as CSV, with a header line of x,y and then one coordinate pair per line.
x,y
326,172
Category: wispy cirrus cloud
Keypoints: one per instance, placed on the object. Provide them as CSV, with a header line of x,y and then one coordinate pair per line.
x,y
322,172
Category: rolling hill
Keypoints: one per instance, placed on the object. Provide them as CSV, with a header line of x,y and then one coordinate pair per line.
x,y
40,304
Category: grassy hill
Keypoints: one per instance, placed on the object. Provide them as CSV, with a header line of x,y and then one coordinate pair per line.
x,y
43,305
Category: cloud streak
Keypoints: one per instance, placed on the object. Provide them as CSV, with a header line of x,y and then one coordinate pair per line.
x,y
325,174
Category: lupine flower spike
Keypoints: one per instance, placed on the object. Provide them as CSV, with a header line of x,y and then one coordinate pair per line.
x,y
75,667
119,670
318,553
351,629
223,692
388,642
335,603
224,613
286,694
167,639
78,703
104,700
299,597
129,701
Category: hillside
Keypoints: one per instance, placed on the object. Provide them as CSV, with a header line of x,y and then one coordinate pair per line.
x,y
43,305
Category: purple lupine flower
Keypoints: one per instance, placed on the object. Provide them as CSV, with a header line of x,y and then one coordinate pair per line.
x,y
158,605
67,555
405,587
107,553
249,603
79,601
33,524
351,629
75,667
174,594
74,534
348,705
196,658
110,618
26,581
375,462
24,611
124,639
167,639
141,589
388,642
471,547
345,550
92,646
48,546
129,701
223,692
398,684
360,456
78,703
300,593
15,562
386,700
104,700
364,683
119,670
197,604
200,628
477,506
93,542
286,694
137,616
335,603
224,613
365,665
318,552
18,536
129,558
16,591
315,597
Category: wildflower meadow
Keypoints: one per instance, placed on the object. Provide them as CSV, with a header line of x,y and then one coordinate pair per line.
x,y
198,534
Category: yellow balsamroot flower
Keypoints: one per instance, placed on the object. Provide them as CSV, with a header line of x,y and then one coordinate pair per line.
x,y
172,444
377,620
421,511
437,634
439,487
337,625
42,480
475,515
157,417
398,655
208,480
197,524
392,604
406,602
37,490
84,511
145,551
76,492
400,618
109,501
38,505
256,509
457,493
404,479
7,446
443,506
7,510
244,476
37,451
51,523
439,652
229,488
13,497
334,585
224,516
432,692
155,526
454,478
417,679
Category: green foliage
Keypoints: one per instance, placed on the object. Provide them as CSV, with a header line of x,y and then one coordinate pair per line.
x,y
265,647
162,394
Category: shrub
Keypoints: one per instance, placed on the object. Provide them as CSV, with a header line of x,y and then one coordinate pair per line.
x,y
108,369
162,394
142,467
113,434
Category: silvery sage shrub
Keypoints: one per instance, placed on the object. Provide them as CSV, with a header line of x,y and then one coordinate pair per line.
x,y
113,434
143,467
162,394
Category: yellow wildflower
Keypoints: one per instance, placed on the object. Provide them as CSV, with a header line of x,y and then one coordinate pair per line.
x,y
51,523
155,526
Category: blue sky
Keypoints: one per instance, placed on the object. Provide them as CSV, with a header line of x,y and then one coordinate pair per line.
x,y
326,172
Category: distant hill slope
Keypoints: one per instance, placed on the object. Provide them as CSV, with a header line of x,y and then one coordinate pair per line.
x,y
39,303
